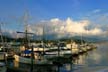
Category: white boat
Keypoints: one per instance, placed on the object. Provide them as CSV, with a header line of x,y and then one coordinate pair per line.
x,y
74,47
27,57
28,60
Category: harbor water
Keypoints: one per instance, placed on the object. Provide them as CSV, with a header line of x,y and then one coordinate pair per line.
x,y
95,60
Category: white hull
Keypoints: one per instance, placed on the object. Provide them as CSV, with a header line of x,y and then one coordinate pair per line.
x,y
28,60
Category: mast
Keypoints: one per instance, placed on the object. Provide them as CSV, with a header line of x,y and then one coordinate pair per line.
x,y
58,48
81,39
2,40
26,39
25,31
1,35
71,45
43,40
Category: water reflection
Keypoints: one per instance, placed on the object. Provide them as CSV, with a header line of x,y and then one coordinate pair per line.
x,y
16,64
66,68
94,60
94,57
81,59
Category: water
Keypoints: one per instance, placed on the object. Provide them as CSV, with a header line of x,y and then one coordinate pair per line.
x,y
92,61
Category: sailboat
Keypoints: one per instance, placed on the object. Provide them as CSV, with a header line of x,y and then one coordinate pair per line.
x,y
28,56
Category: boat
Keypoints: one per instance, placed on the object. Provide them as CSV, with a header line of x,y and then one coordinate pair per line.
x,y
74,47
22,59
28,55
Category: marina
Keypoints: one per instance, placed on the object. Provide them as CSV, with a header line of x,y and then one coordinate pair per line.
x,y
49,56
53,36
43,56
56,58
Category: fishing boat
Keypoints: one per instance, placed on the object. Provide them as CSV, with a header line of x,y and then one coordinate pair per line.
x,y
33,53
28,55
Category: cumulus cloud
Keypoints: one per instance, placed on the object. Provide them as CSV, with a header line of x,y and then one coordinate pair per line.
x,y
12,34
57,28
65,28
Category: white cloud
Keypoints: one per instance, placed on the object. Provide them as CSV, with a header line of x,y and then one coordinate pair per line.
x,y
96,11
55,20
95,31
63,28
93,13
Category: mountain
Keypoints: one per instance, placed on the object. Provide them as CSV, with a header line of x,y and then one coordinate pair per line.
x,y
8,38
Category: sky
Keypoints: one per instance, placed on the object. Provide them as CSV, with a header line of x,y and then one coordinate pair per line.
x,y
68,16
47,9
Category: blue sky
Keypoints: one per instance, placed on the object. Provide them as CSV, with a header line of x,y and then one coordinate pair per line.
x,y
47,9
12,11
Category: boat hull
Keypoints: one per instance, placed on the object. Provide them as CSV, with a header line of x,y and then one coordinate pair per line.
x,y
28,60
